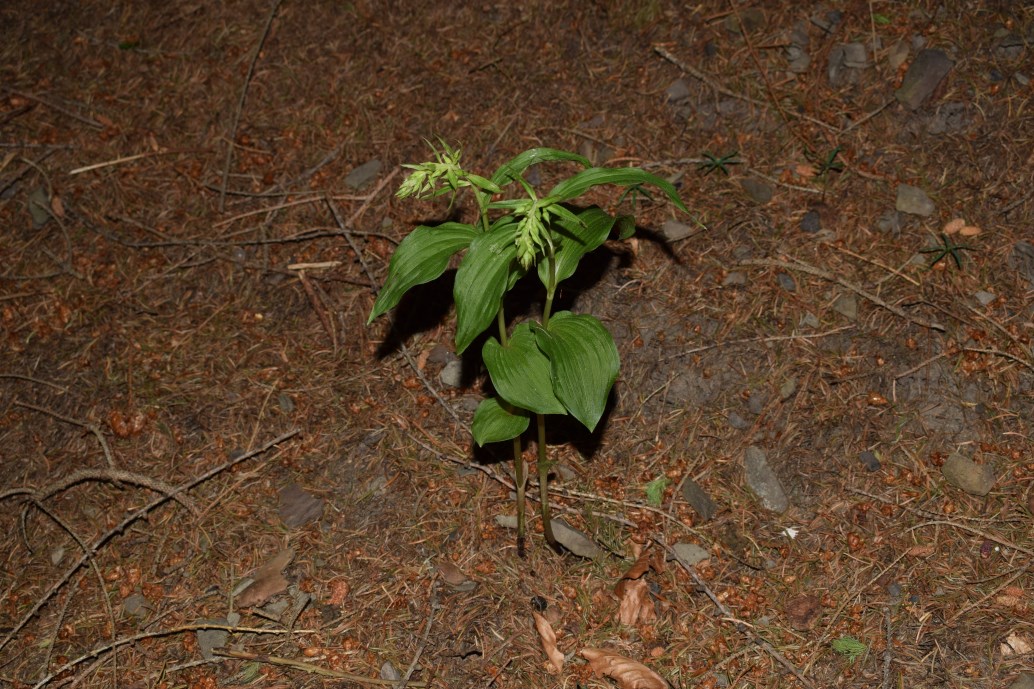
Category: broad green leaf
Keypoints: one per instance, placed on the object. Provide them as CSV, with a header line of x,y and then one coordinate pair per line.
x,y
493,423
481,281
520,372
578,184
421,257
584,363
533,156
626,226
577,239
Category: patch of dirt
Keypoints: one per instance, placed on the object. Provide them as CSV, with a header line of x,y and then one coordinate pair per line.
x,y
186,278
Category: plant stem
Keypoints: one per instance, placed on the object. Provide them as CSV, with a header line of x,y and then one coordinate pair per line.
x,y
521,480
547,524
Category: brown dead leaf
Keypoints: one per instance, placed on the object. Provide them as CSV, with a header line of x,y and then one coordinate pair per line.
x,y
57,207
452,574
804,171
548,638
628,673
1015,644
954,225
922,550
636,605
969,231
268,580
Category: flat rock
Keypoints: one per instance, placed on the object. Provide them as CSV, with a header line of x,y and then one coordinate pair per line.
x,y
786,281
738,422
757,190
890,223
762,479
363,175
923,76
1024,681
1021,259
677,91
984,297
735,279
673,230
847,306
698,499
451,374
298,507
914,201
967,475
811,222
690,553
869,460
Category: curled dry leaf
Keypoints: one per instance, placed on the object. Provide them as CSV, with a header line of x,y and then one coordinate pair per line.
x,y
636,605
548,638
628,673
268,580
954,225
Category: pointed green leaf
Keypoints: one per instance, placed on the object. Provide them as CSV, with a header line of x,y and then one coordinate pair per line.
x,y
520,372
584,363
493,423
588,232
421,257
533,156
578,184
481,281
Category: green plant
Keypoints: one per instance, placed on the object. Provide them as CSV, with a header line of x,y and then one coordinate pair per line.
x,y
562,363
945,249
824,166
712,162
849,647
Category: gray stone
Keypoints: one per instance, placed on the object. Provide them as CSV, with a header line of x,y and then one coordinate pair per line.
x,y
363,175
869,460
967,475
890,223
827,20
847,306
811,222
762,479
855,56
922,78
441,354
1024,681
678,91
797,58
673,230
786,282
690,553
39,206
787,389
698,499
757,401
210,639
914,201
950,117
757,190
452,374
810,320
735,279
897,55
1021,259
137,606
738,422
983,298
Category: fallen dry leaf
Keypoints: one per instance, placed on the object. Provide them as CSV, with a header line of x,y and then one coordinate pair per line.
x,y
969,231
548,638
636,605
268,581
628,673
1015,644
954,225
922,550
802,612
452,574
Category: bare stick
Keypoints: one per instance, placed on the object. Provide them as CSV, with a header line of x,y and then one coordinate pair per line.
x,y
17,376
309,667
126,159
115,476
121,526
740,626
865,294
240,105
53,106
75,422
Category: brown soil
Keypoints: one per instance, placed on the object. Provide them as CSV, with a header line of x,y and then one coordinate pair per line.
x,y
180,401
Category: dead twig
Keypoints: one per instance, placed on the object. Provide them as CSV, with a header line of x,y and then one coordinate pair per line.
x,y
751,340
727,615
54,106
240,105
95,430
18,376
122,525
865,294
311,668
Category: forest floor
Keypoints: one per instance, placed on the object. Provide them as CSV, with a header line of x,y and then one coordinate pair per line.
x,y
196,211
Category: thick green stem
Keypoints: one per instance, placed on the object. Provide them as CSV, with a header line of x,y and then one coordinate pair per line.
x,y
547,524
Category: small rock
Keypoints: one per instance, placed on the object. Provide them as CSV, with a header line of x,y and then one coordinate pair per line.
x,y
967,475
786,282
1010,47
210,639
797,58
1021,79
389,673
847,306
855,56
897,55
735,279
298,507
441,355
677,92
742,252
894,591
451,374
828,20
698,499
811,222
914,201
574,540
57,555
757,401
757,190
738,422
1024,681
890,223
1021,259
869,460
286,402
137,606
810,320
799,35
690,553
950,117
922,78
673,230
363,175
984,298
787,389
763,481
39,207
